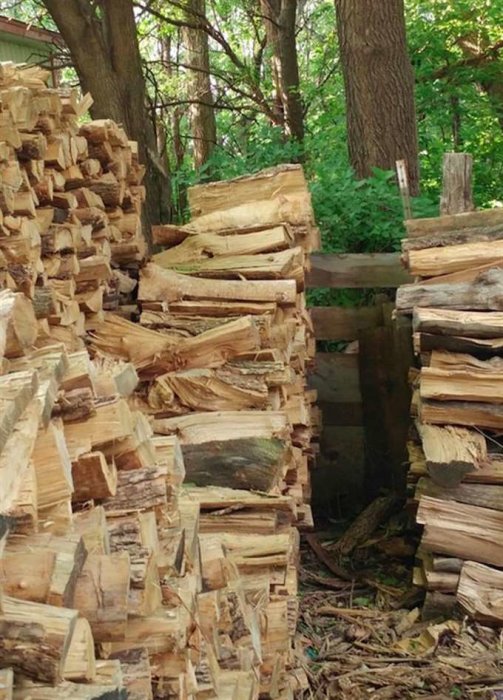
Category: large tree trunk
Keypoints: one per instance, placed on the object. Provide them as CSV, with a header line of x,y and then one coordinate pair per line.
x,y
202,114
279,22
379,86
105,53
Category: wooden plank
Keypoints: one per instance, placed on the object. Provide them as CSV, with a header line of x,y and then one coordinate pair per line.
x,y
340,323
356,270
384,359
336,377
472,219
341,414
337,481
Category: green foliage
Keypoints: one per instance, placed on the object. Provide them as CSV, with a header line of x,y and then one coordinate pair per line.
x,y
454,111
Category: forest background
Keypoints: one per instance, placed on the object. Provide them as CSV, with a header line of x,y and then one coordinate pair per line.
x,y
213,89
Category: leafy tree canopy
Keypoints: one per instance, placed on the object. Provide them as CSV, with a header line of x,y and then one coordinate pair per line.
x,y
457,53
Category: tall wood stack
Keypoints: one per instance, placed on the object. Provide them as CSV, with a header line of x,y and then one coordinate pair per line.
x,y
222,348
456,452
70,201
116,578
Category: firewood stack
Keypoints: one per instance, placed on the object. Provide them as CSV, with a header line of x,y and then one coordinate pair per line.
x,y
222,349
116,578
456,454
70,201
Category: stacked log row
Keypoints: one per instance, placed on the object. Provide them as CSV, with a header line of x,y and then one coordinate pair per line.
x,y
115,579
82,525
455,454
222,348
70,205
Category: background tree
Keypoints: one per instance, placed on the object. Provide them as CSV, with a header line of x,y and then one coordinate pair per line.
x,y
202,109
379,85
102,40
280,25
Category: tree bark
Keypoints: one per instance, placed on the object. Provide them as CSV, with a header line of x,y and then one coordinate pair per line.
x,y
279,21
106,56
379,85
202,113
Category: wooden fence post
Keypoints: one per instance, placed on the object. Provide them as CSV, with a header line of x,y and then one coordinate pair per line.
x,y
456,184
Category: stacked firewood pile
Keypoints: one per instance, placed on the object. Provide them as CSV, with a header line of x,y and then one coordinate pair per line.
x,y
153,473
456,455
70,201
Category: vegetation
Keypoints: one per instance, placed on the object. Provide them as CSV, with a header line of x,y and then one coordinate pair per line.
x,y
233,87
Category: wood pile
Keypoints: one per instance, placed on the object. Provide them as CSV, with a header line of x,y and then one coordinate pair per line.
x,y
222,348
456,454
153,479
70,206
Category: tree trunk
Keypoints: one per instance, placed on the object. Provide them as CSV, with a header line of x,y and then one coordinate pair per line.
x,y
379,85
202,113
279,21
105,53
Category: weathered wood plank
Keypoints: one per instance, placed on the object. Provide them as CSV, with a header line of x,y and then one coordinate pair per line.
x,y
356,270
452,222
385,358
340,323
483,293
342,414
336,377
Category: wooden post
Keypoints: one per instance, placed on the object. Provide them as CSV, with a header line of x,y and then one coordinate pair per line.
x,y
403,184
457,184
384,361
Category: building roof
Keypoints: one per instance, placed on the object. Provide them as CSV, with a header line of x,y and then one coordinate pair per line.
x,y
28,31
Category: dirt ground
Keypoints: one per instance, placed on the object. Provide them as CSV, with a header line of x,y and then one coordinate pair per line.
x,y
364,638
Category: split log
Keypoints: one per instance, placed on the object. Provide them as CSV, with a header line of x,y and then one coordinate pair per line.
x,y
195,429
484,495
80,663
6,683
16,455
136,672
69,691
467,324
286,264
461,530
469,413
250,463
458,385
52,465
483,293
152,352
138,489
35,639
454,222
18,325
101,595
93,477
194,247
70,555
206,389
165,285
426,342
451,452
16,392
480,593
431,262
